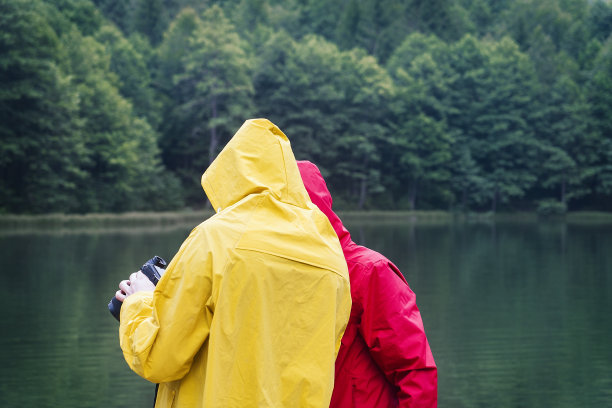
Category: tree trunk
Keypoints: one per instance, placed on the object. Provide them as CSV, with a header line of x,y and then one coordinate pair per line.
x,y
494,201
363,185
363,191
563,191
413,194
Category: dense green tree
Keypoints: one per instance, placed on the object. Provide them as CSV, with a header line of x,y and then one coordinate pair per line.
x,y
124,168
481,15
82,13
149,19
297,85
491,101
528,17
470,186
600,20
505,142
424,147
118,12
41,153
446,19
567,159
175,46
376,26
218,70
416,45
330,103
255,21
270,76
176,137
249,14
466,121
213,92
600,99
443,88
131,68
380,26
322,16
421,140
543,29
463,70
587,57
367,91
348,25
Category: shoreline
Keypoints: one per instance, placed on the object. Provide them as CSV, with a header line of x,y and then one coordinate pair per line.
x,y
194,217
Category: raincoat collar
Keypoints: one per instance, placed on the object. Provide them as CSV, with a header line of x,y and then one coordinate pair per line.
x,y
321,197
257,160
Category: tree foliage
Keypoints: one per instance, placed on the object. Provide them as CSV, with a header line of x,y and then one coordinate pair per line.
x,y
70,140
42,152
210,90
330,102
111,105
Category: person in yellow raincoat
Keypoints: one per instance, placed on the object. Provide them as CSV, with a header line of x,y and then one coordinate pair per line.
x,y
251,310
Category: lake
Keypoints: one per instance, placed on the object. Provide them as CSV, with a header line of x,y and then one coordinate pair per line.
x,y
517,314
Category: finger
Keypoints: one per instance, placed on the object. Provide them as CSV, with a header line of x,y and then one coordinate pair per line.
x,y
120,295
126,287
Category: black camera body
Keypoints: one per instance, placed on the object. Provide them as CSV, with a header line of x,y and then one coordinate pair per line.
x,y
153,270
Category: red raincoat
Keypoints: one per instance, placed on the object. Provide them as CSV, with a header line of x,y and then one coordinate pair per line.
x,y
384,359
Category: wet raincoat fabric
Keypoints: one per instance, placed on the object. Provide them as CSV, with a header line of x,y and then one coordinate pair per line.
x,y
251,310
385,359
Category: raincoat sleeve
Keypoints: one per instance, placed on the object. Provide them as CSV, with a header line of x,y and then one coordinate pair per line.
x,y
162,331
392,327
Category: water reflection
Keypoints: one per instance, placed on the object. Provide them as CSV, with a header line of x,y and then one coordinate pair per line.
x,y
518,315
59,346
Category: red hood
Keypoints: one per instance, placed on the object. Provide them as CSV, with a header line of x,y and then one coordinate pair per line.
x,y
320,196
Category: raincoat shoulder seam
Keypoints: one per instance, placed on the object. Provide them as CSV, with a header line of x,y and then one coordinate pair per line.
x,y
386,263
370,264
291,258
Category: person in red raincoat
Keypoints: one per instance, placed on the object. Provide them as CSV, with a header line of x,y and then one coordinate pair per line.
x,y
384,358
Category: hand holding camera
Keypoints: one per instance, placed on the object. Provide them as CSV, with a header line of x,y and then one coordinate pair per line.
x,y
145,279
138,282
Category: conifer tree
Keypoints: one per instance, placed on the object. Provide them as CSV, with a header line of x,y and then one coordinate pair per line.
x,y
213,88
421,139
41,152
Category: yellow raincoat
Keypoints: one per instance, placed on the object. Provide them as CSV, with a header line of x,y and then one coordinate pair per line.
x,y
251,310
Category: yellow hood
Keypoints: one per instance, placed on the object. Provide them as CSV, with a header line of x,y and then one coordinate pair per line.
x,y
251,310
258,159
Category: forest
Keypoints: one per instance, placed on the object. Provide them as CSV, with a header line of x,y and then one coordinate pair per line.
x,y
461,105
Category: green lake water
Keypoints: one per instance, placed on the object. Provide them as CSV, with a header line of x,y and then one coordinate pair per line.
x,y
517,314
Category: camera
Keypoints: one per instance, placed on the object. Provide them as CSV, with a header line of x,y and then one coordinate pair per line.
x,y
152,269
